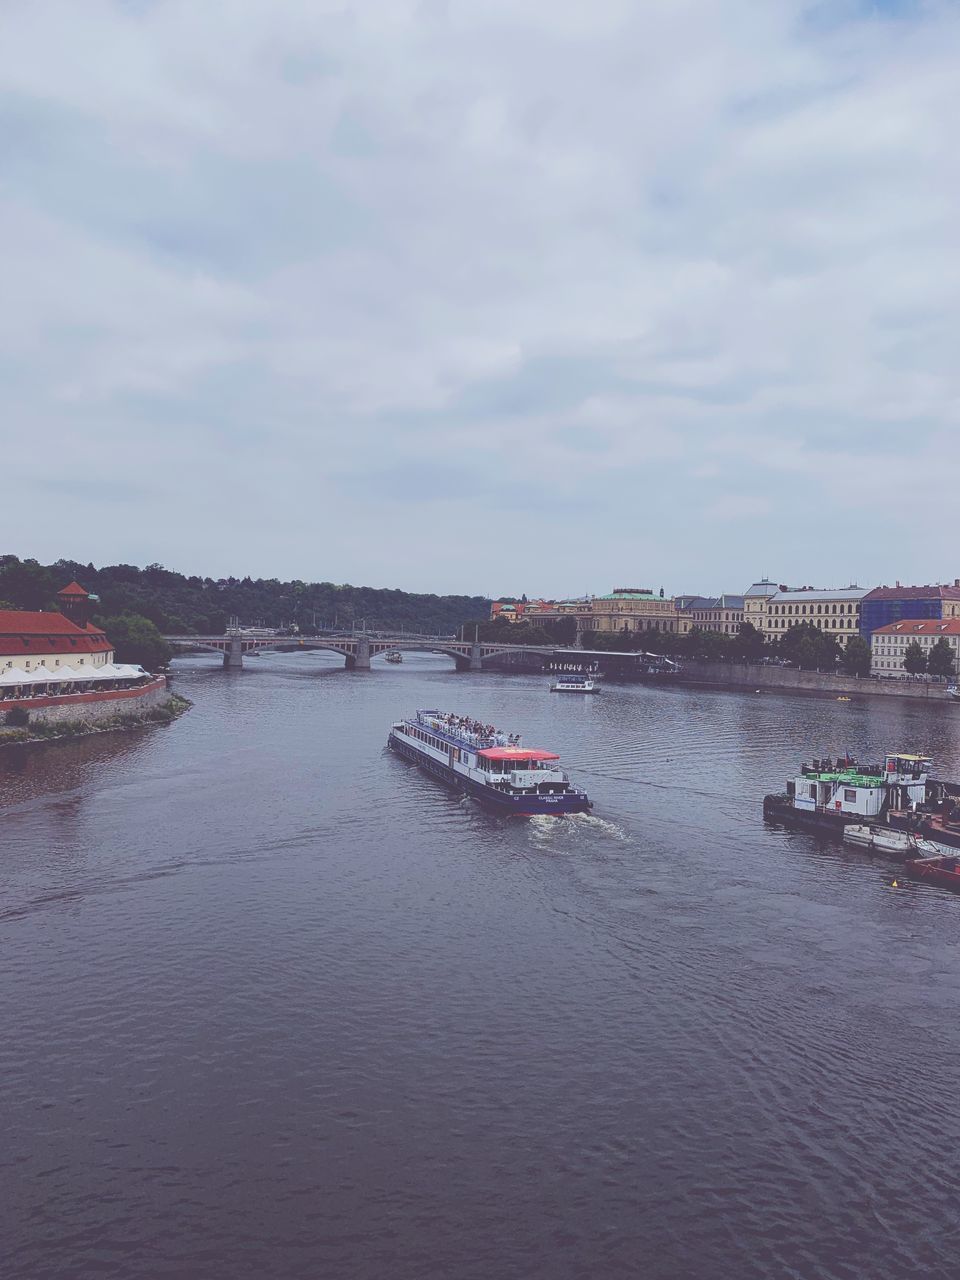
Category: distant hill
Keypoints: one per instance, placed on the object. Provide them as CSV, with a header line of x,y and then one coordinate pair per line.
x,y
180,604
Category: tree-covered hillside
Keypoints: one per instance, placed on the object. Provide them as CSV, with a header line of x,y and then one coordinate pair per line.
x,y
180,604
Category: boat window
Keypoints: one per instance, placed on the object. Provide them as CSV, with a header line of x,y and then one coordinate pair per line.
x,y
849,794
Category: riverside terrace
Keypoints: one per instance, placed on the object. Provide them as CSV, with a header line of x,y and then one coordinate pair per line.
x,y
358,648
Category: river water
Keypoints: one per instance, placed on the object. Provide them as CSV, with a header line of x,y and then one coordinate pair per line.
x,y
276,1004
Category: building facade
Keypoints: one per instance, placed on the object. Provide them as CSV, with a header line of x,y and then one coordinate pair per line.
x,y
506,611
889,644
755,600
532,611
886,605
723,614
834,611
634,609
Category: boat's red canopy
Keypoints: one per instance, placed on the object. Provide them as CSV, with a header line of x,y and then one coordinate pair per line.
x,y
516,753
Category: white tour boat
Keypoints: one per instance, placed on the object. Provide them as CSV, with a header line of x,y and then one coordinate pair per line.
x,y
492,766
574,684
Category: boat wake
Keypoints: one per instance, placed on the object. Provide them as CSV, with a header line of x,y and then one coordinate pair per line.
x,y
547,828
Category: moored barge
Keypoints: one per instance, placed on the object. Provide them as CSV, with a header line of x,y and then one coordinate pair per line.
x,y
492,766
829,795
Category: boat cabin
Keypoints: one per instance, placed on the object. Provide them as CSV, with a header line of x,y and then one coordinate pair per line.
x,y
846,791
906,775
521,767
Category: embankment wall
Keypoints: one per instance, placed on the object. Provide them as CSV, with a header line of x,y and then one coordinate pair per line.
x,y
792,680
91,708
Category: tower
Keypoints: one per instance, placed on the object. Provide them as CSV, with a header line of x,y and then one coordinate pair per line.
x,y
74,603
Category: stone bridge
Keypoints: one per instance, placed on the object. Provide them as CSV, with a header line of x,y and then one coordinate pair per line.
x,y
357,649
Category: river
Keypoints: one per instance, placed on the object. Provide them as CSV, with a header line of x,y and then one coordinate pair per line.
x,y
276,1004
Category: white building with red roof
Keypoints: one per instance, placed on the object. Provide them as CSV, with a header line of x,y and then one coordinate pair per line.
x,y
68,638
889,644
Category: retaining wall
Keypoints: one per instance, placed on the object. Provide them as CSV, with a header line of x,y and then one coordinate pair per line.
x,y
91,708
792,680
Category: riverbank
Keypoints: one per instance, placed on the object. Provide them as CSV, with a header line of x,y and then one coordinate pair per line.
x,y
97,718
743,675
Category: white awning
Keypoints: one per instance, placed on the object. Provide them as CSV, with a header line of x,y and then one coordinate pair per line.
x,y
13,675
68,673
41,675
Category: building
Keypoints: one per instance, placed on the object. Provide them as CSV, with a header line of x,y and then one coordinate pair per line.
x,y
835,611
633,609
46,639
884,605
755,603
523,610
723,614
889,644
535,611
506,611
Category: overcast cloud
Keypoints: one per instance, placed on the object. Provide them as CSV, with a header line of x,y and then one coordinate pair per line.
x,y
492,296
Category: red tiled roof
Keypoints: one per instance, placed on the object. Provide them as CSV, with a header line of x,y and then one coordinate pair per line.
x,y
16,622
23,632
74,589
24,646
914,593
921,627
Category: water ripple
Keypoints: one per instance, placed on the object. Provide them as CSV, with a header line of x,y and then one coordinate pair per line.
x,y
277,1003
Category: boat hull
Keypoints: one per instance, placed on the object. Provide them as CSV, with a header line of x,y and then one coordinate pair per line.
x,y
930,870
779,809
521,806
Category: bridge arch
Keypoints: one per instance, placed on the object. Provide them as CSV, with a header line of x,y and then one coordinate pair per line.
x,y
356,650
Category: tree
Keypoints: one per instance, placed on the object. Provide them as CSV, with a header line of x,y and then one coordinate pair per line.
x,y
748,644
806,653
856,657
136,639
711,646
941,660
810,647
28,584
915,659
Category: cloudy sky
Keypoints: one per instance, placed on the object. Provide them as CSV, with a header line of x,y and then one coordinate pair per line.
x,y
483,295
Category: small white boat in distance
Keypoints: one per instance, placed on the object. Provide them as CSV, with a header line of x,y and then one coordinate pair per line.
x,y
574,684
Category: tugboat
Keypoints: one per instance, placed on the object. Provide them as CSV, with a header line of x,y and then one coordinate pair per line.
x,y
829,795
492,766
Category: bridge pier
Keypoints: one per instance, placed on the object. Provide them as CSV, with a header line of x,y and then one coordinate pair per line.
x,y
476,662
233,655
361,659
